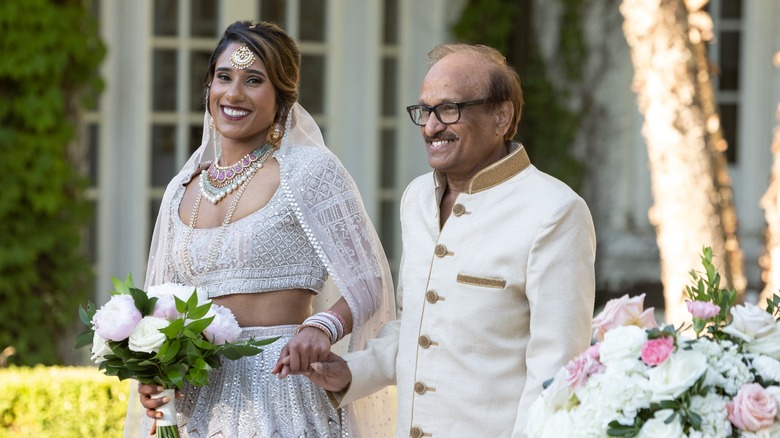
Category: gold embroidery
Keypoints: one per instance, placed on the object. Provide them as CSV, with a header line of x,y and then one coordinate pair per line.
x,y
500,171
496,283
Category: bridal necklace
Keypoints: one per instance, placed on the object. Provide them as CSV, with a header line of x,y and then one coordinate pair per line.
x,y
261,154
217,181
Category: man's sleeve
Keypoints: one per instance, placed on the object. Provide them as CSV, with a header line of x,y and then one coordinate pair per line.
x,y
561,290
372,368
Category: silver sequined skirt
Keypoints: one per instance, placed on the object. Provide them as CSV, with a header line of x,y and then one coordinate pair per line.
x,y
243,399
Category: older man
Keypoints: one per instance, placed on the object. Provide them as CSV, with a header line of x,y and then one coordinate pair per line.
x,y
497,276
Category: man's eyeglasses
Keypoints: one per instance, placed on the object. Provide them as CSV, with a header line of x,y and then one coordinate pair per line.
x,y
447,112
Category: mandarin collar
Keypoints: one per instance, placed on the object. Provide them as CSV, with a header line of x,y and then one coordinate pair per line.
x,y
515,162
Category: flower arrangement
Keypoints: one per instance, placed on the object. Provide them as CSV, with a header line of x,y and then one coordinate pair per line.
x,y
640,380
165,336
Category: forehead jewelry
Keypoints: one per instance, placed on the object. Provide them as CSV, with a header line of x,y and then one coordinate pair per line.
x,y
242,58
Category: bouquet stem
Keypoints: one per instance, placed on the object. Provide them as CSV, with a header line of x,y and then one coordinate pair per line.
x,y
167,426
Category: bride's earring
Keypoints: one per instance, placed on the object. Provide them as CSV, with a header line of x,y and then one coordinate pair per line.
x,y
275,136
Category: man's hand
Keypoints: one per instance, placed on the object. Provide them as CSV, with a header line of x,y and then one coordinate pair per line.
x,y
333,375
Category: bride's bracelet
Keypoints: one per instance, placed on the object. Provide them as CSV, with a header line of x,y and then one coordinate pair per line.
x,y
330,323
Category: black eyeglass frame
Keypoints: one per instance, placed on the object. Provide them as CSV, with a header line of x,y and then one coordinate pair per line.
x,y
435,110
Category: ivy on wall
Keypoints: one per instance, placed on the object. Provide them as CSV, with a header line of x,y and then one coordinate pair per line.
x,y
50,55
547,127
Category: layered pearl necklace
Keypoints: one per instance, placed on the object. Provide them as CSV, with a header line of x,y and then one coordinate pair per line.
x,y
217,185
217,181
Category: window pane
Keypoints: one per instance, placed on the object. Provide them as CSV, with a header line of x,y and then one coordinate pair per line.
x,y
154,210
728,123
196,136
199,63
90,237
273,10
389,217
166,17
389,80
163,156
312,20
93,155
164,80
312,87
391,22
204,18
729,61
731,8
387,165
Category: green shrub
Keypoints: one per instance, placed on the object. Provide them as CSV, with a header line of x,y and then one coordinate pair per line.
x,y
50,55
61,402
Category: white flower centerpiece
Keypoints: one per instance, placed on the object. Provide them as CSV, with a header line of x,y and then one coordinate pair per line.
x,y
165,336
640,380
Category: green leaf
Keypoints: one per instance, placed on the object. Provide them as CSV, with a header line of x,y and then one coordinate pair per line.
x,y
84,338
199,325
181,306
199,311
175,376
171,352
174,329
121,288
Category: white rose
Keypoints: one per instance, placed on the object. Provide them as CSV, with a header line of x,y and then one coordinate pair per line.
x,y
676,374
768,368
774,391
657,427
767,344
100,349
147,337
622,343
750,322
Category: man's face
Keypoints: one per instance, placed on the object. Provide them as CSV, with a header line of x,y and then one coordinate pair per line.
x,y
463,148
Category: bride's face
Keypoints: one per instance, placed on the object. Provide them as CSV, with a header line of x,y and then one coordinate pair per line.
x,y
242,102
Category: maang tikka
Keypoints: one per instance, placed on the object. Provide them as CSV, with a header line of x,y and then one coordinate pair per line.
x,y
242,58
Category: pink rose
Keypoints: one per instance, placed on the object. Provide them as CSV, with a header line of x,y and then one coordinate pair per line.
x,y
116,319
623,311
702,309
224,327
752,409
656,351
593,351
579,369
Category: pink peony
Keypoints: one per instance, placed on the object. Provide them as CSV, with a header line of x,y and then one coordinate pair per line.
x,y
117,318
656,351
752,409
165,307
702,309
224,327
623,311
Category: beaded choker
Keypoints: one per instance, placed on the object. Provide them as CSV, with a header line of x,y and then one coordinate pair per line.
x,y
217,181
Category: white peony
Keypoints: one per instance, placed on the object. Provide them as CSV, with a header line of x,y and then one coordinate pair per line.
x,y
100,349
768,368
657,427
116,319
224,327
147,337
767,344
622,347
677,374
183,292
750,322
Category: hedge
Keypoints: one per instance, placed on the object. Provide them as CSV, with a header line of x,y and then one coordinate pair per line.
x,y
61,402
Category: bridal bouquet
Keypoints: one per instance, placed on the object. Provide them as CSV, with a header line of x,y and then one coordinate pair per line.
x,y
640,380
165,336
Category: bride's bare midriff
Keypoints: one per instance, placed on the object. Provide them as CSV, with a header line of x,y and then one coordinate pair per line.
x,y
282,307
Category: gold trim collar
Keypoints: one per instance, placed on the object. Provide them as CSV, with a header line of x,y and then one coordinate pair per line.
x,y
515,162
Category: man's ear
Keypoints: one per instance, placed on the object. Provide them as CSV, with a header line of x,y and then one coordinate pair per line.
x,y
504,113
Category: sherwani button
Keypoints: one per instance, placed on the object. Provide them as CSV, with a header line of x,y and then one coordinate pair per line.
x,y
424,341
415,432
432,296
440,251
420,387
458,209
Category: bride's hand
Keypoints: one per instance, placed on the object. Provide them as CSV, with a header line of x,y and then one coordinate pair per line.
x,y
308,346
